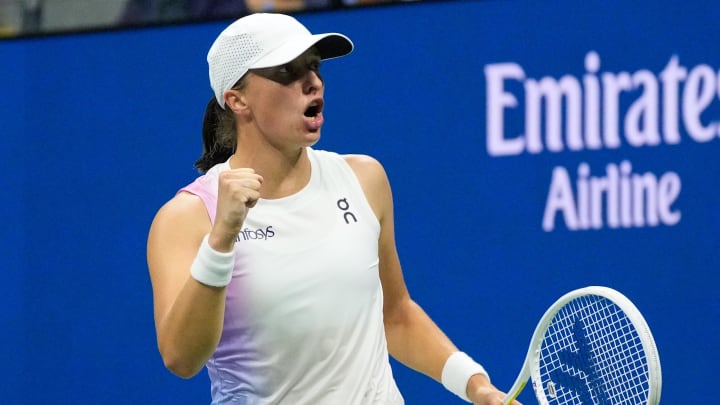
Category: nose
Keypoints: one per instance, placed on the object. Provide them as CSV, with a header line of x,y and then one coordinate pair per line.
x,y
313,82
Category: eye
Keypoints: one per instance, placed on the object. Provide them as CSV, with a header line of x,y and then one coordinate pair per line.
x,y
287,69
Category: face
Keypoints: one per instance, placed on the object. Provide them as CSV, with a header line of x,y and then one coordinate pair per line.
x,y
286,102
294,70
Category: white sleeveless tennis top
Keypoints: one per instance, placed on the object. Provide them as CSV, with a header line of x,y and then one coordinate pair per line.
x,y
303,318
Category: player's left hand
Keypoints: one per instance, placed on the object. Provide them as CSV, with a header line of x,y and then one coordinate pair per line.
x,y
482,392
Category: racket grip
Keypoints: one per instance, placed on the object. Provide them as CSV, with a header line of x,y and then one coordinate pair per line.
x,y
511,397
515,390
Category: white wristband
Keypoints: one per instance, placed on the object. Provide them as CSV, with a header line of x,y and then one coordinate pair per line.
x,y
457,371
211,267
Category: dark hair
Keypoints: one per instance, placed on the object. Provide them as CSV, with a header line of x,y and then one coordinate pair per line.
x,y
218,135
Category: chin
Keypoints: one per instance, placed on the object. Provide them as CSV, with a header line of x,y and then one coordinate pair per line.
x,y
312,138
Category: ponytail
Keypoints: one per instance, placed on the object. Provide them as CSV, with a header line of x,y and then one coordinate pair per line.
x,y
218,134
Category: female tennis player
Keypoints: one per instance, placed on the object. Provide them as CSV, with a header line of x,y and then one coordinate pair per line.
x,y
277,268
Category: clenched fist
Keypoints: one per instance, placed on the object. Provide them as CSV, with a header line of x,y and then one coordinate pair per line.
x,y
238,191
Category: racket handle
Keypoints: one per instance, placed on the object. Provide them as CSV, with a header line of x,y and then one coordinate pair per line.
x,y
514,391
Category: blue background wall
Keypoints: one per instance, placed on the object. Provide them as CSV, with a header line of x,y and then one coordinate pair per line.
x,y
99,130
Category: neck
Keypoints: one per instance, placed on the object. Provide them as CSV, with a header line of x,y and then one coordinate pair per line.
x,y
284,173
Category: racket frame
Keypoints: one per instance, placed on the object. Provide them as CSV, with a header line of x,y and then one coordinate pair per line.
x,y
534,349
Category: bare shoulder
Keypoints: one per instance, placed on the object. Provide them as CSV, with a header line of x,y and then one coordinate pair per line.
x,y
184,213
359,159
368,169
374,182
183,204
173,240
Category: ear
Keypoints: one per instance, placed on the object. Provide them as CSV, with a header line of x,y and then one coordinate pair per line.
x,y
235,100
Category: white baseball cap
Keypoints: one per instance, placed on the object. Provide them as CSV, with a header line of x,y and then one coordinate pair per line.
x,y
265,40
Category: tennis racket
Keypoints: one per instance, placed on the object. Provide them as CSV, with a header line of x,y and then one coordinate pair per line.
x,y
591,347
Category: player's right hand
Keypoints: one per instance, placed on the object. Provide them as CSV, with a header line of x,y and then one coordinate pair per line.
x,y
238,191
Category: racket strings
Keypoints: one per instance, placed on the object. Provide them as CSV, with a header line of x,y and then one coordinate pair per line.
x,y
593,355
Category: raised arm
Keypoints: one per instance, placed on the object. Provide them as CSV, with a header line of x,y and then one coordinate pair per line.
x,y
189,313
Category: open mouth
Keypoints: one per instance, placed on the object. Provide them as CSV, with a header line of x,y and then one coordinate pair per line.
x,y
312,111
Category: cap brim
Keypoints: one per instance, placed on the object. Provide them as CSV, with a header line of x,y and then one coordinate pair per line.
x,y
330,45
